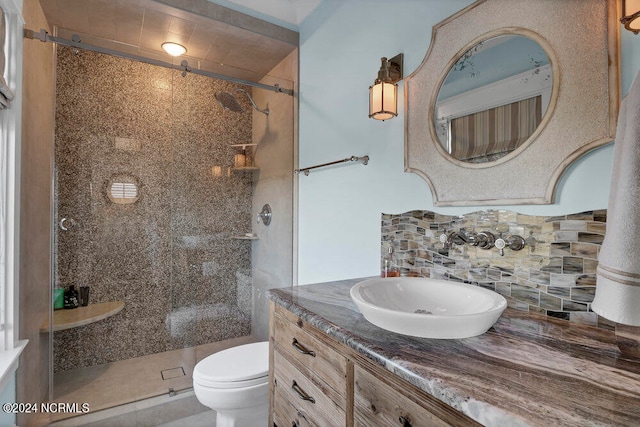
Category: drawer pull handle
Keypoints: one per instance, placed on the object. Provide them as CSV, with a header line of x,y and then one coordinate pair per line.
x,y
301,393
302,349
404,422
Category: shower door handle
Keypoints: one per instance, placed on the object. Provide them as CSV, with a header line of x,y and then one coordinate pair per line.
x,y
67,224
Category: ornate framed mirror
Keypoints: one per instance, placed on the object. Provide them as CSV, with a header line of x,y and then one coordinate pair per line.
x,y
510,93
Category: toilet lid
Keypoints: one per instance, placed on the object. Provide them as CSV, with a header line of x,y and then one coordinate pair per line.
x,y
242,365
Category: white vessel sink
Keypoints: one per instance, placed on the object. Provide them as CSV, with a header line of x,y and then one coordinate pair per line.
x,y
428,308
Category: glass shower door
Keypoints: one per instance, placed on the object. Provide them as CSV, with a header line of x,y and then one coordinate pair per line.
x,y
210,207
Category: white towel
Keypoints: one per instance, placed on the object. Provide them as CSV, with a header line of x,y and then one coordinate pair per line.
x,y
618,275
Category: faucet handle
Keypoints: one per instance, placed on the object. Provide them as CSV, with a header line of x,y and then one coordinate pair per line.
x,y
516,242
444,239
485,239
500,243
531,241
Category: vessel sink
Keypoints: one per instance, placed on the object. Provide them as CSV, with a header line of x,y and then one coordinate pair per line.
x,y
428,308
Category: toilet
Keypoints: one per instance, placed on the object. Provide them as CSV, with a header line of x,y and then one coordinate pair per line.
x,y
235,383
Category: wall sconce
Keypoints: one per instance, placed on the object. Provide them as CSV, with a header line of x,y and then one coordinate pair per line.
x,y
631,15
383,95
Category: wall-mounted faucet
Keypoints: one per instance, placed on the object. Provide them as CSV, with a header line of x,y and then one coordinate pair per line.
x,y
485,240
457,238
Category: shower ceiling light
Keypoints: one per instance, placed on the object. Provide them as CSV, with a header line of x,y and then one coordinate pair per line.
x,y
174,49
383,95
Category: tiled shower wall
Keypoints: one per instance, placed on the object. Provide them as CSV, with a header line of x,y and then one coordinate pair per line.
x,y
555,276
170,256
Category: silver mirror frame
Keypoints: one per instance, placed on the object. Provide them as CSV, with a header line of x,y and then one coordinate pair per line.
x,y
582,41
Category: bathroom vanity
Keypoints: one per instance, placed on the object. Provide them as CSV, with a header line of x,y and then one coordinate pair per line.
x,y
329,366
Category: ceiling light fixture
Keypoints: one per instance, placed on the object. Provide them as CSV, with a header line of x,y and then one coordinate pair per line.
x,y
631,15
383,95
174,49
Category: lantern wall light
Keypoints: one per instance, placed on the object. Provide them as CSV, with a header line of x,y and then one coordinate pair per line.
x,y
383,95
631,15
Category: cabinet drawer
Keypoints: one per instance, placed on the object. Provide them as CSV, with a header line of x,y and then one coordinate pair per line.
x,y
287,415
315,358
298,391
378,404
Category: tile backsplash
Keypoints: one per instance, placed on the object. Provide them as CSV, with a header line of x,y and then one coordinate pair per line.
x,y
555,276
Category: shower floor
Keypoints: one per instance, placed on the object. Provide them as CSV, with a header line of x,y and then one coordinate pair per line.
x,y
117,383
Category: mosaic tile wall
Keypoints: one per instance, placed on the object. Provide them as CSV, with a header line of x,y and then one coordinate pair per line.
x,y
555,277
169,255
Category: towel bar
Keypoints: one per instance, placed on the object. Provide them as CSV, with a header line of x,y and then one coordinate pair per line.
x,y
363,159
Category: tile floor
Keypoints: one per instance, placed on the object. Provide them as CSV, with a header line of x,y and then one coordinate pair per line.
x,y
180,410
139,380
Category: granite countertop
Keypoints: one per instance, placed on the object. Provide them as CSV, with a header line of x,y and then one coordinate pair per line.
x,y
526,370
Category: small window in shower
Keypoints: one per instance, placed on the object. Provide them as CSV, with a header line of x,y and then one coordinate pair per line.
x,y
123,190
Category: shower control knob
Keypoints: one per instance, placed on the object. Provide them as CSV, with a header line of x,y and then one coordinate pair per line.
x,y
264,216
500,244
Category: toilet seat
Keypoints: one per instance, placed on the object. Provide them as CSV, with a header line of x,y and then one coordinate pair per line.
x,y
237,367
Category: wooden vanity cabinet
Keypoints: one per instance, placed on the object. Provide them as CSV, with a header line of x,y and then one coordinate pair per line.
x,y
317,381
308,375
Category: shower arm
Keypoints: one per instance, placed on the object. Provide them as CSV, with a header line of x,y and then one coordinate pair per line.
x,y
44,36
265,111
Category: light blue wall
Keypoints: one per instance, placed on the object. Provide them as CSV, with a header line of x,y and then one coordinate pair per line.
x,y
339,208
8,395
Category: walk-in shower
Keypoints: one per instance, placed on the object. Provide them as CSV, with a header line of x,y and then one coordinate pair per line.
x,y
164,222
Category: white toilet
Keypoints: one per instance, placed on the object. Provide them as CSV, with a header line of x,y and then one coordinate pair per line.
x,y
235,383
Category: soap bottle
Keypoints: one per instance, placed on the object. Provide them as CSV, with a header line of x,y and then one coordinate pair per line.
x,y
71,297
389,266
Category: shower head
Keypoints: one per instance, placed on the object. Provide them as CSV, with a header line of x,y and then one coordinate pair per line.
x,y
229,102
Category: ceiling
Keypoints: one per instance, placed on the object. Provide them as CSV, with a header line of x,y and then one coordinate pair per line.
x,y
292,12
217,38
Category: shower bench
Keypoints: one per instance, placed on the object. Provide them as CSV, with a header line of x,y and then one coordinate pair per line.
x,y
72,318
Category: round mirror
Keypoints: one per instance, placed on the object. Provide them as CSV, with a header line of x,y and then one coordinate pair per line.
x,y
493,98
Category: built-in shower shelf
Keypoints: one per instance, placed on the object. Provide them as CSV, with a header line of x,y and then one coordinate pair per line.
x,y
246,169
245,237
72,318
249,144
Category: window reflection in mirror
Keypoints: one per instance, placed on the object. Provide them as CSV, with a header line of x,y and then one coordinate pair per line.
x,y
493,98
